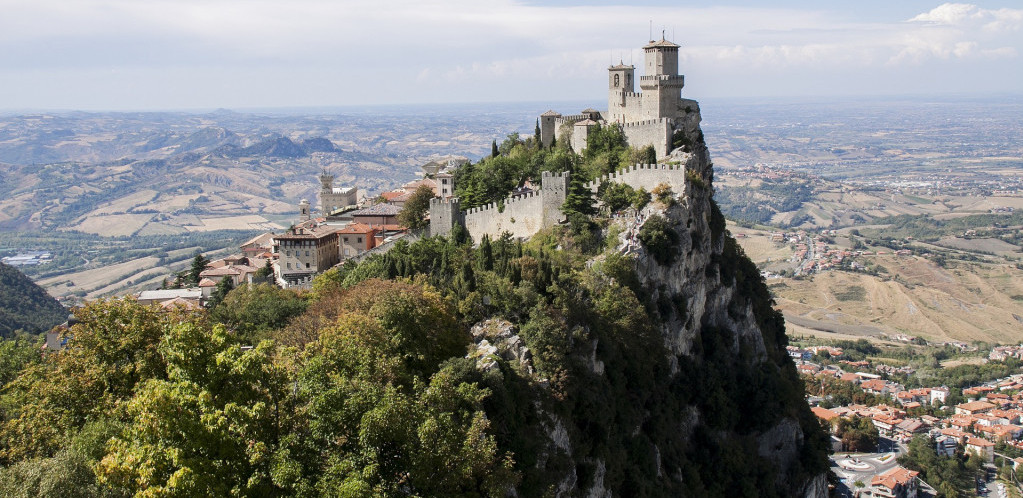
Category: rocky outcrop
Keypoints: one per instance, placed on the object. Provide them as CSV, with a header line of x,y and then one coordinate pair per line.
x,y
728,404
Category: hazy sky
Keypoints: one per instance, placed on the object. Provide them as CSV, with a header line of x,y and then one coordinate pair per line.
x,y
194,54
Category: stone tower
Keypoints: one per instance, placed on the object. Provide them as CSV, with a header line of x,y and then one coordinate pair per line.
x,y
303,210
548,127
444,213
661,83
553,191
621,84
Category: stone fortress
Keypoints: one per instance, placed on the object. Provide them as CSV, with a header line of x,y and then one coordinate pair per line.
x,y
649,118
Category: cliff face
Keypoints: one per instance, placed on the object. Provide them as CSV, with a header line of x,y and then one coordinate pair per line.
x,y
713,405
725,296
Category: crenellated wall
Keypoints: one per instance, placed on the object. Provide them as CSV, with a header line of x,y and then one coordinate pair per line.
x,y
647,176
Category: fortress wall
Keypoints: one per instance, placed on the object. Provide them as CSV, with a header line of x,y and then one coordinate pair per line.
x,y
656,132
647,176
522,217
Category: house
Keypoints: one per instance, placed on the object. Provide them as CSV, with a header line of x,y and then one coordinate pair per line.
x,y
946,445
981,447
824,414
257,245
939,395
885,423
356,239
973,407
158,297
875,386
898,482
911,426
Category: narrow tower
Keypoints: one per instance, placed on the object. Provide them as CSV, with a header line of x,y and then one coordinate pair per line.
x,y
661,83
621,83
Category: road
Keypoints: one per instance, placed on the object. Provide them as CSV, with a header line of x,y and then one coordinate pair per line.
x,y
874,463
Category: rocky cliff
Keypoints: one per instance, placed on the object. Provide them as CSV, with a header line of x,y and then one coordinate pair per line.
x,y
697,398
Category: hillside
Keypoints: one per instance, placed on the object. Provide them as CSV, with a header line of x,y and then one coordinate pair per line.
x,y
575,363
25,306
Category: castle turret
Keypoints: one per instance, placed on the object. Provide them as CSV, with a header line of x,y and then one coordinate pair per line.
x,y
303,210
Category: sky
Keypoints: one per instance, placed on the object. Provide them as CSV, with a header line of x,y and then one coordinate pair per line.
x,y
238,54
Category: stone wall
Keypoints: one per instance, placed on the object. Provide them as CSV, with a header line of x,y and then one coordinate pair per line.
x,y
647,176
522,217
656,132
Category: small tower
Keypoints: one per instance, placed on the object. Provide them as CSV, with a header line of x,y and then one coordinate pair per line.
x,y
326,183
303,210
548,127
620,83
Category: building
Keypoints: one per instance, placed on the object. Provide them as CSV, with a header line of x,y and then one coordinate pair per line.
x,y
335,198
161,296
898,482
378,214
974,407
981,447
356,239
303,252
649,117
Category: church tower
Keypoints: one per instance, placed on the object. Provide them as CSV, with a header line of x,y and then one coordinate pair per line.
x,y
661,83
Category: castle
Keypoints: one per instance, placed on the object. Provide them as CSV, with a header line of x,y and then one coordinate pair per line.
x,y
334,198
650,117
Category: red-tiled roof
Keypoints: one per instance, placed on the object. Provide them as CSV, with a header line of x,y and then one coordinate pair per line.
x,y
897,476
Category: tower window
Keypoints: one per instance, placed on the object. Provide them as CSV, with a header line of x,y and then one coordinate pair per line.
x,y
617,80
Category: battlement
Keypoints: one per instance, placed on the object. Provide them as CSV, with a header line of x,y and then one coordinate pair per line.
x,y
437,201
646,122
647,176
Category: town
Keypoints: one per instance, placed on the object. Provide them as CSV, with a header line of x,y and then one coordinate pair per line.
x,y
873,417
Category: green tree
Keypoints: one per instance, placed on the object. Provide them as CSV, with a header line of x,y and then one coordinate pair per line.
x,y
579,198
641,198
413,213
254,311
660,239
493,149
199,264
216,426
616,196
111,350
536,134
224,286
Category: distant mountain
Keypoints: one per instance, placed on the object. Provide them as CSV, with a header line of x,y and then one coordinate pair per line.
x,y
24,305
280,147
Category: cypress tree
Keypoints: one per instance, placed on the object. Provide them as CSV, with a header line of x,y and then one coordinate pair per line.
x,y
536,133
493,148
485,254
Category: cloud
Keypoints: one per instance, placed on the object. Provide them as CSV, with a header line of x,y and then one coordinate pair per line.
x,y
268,52
964,15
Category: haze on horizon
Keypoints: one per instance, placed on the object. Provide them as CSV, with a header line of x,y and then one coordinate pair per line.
x,y
194,54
